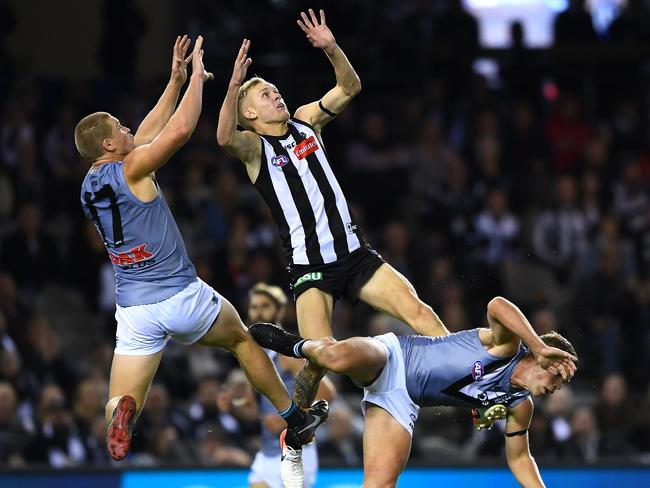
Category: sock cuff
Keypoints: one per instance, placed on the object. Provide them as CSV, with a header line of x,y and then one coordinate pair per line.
x,y
297,348
288,411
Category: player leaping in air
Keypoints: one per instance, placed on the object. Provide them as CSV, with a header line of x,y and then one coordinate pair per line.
x,y
285,159
488,369
158,293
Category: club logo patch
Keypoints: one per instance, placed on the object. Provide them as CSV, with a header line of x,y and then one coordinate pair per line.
x,y
477,371
279,161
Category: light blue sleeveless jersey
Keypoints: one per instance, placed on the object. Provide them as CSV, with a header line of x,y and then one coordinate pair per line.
x,y
142,239
270,442
456,370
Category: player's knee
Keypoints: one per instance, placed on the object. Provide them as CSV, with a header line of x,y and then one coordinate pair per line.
x,y
422,313
335,355
236,336
326,352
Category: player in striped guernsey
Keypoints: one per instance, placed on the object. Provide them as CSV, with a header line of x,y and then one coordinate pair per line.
x,y
488,369
287,162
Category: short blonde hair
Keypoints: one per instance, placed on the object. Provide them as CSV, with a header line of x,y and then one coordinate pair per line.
x,y
275,293
90,134
241,95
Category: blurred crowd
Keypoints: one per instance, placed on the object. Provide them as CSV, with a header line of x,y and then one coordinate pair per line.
x,y
532,182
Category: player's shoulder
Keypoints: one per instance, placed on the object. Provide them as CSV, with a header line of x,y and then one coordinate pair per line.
x,y
104,173
301,120
522,410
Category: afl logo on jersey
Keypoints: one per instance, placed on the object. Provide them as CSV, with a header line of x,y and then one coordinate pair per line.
x,y
477,371
279,161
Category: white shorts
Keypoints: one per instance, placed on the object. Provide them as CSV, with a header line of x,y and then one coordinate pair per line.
x,y
186,316
267,468
389,390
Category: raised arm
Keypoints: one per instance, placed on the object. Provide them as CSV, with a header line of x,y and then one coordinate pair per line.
x,y
156,119
520,461
508,326
245,145
348,84
144,160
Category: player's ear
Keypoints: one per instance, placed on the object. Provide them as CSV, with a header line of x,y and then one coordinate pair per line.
x,y
250,113
108,145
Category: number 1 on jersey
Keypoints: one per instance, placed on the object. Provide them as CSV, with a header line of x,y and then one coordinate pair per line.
x,y
106,191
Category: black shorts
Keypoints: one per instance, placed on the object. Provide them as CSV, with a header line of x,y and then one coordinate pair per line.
x,y
342,278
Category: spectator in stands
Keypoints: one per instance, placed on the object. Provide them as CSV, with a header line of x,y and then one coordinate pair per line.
x,y
203,409
164,449
567,132
30,254
585,441
57,440
158,413
14,438
342,443
215,452
615,412
559,234
89,402
558,408
574,26
496,231
641,420
44,357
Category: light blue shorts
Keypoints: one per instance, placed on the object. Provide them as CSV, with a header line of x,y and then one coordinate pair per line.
x,y
186,316
389,390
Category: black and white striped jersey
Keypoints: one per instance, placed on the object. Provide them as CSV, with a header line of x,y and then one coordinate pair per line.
x,y
306,201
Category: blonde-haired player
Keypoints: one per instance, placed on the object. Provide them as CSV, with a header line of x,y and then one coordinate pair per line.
x,y
286,160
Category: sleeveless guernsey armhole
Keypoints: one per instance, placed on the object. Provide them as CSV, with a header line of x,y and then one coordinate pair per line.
x,y
129,194
263,162
477,338
302,122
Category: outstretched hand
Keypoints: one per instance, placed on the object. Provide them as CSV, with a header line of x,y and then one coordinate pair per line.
x,y
197,60
556,361
318,34
241,64
179,61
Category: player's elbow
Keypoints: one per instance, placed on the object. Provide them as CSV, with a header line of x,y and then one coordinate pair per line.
x,y
351,88
496,304
223,139
355,89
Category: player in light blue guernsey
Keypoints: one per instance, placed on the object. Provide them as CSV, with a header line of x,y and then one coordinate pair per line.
x,y
267,304
159,295
494,370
